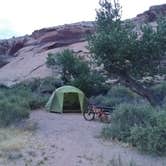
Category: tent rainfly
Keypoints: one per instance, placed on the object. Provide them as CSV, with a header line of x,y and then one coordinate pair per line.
x,y
56,101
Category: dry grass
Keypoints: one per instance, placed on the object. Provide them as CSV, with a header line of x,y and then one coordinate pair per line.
x,y
117,161
14,139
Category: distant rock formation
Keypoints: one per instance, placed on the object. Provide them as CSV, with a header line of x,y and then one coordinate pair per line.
x,y
24,57
151,15
48,38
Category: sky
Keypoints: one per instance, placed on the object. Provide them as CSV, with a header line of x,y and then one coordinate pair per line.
x,y
20,17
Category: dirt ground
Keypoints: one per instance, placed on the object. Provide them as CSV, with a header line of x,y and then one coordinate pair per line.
x,y
69,140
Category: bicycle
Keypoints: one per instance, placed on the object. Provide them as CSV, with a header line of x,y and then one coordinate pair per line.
x,y
100,112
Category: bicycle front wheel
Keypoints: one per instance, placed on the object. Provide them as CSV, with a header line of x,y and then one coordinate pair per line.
x,y
89,115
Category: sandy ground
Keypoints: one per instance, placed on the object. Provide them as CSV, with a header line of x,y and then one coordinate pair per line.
x,y
69,140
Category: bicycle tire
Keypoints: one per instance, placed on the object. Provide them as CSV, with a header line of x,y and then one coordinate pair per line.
x,y
89,115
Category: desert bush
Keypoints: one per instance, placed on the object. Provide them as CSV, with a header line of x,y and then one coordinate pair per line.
x,y
122,92
79,74
32,99
16,103
140,125
151,138
49,84
160,90
11,112
90,84
125,117
116,95
164,103
45,85
37,101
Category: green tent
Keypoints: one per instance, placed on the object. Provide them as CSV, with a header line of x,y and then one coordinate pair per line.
x,y
57,100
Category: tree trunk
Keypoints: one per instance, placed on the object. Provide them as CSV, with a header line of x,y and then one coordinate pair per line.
x,y
138,88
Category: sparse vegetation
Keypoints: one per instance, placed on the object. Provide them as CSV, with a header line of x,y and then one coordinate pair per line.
x,y
117,161
139,125
17,101
139,117
160,90
125,53
78,72
13,105
13,139
118,94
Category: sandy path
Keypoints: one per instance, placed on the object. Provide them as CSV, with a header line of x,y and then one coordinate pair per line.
x,y
69,140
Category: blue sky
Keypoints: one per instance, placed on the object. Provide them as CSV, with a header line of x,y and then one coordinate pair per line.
x,y
20,17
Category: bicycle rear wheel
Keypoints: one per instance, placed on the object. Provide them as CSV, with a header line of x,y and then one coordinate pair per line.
x,y
106,118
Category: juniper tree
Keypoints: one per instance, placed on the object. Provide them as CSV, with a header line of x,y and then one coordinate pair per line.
x,y
125,53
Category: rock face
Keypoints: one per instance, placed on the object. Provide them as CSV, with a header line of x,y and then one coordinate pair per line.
x,y
24,57
151,15
48,38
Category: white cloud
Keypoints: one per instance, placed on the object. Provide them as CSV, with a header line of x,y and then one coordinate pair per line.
x,y
24,16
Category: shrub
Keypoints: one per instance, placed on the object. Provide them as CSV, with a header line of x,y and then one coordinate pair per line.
x,y
31,85
11,112
29,98
120,91
44,85
151,138
79,74
37,101
127,116
16,102
90,84
116,95
105,100
160,90
48,84
139,125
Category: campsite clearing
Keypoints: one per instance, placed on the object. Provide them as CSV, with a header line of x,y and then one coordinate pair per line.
x,y
67,139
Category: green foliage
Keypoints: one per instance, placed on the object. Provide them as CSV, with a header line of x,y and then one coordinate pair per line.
x,y
91,83
49,84
116,95
76,71
122,50
45,85
37,101
16,102
127,116
139,125
151,138
51,60
71,65
125,53
11,112
13,106
160,90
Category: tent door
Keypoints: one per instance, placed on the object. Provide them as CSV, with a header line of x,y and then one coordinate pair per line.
x,y
71,102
